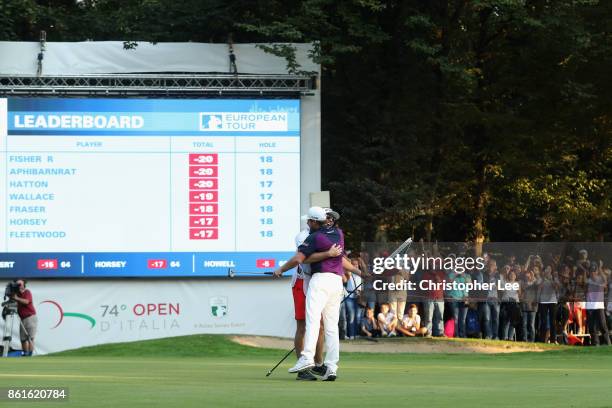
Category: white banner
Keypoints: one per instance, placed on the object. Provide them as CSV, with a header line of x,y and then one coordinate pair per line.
x,y
73,314
109,57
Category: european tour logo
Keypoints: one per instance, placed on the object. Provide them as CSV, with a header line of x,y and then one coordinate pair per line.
x,y
243,121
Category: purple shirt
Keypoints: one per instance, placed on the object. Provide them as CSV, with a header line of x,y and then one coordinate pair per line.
x,y
320,241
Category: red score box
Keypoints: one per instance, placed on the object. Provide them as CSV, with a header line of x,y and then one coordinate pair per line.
x,y
203,221
203,171
200,159
203,184
46,264
203,233
203,196
157,263
203,209
265,263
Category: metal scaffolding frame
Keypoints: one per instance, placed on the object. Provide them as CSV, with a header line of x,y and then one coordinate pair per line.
x,y
191,85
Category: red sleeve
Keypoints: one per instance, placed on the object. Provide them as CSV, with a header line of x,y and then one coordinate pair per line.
x,y
27,295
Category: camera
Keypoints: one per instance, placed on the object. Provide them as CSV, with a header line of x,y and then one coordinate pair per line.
x,y
9,306
12,288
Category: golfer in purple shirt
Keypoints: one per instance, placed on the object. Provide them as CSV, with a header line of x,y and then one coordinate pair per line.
x,y
324,292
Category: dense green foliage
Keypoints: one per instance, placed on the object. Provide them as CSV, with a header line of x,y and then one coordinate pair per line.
x,y
444,119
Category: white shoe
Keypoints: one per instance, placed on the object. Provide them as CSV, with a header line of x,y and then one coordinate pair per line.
x,y
301,365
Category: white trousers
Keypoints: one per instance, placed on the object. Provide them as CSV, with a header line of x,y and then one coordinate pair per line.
x,y
323,299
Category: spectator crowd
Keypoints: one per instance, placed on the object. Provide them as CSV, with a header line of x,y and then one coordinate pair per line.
x,y
559,299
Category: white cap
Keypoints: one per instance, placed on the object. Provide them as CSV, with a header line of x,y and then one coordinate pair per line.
x,y
317,214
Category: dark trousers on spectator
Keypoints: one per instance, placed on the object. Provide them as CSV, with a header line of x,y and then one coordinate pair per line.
x,y
529,326
459,313
359,318
489,312
596,320
548,319
507,317
349,321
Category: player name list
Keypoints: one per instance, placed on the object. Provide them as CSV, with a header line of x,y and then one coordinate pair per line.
x,y
141,193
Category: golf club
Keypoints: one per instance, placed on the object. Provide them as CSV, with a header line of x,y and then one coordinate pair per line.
x,y
405,245
232,273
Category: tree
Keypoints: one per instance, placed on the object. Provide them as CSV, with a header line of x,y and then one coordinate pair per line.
x,y
444,119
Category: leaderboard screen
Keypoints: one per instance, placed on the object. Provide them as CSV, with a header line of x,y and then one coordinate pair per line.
x,y
147,187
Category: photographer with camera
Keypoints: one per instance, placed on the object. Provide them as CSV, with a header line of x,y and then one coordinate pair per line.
x,y
27,314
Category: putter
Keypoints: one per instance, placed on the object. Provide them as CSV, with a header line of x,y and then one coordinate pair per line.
x,y
232,273
405,245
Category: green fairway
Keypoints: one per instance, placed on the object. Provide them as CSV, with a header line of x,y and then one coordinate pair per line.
x,y
210,371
